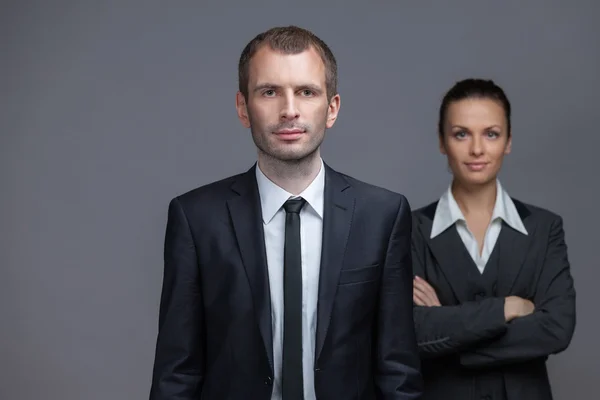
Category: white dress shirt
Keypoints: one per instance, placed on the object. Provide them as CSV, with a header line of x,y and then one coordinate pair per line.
x,y
272,198
448,213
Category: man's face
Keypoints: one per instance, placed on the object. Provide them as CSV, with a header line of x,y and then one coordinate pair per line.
x,y
287,109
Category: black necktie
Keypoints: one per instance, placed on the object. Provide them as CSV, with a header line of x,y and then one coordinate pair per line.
x,y
291,380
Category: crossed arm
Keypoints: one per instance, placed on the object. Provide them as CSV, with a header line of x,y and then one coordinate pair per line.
x,y
500,331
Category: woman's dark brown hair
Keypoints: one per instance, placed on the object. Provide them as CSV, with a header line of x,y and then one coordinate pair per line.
x,y
473,88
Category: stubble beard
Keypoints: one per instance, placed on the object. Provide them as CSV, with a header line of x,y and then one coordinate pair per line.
x,y
284,158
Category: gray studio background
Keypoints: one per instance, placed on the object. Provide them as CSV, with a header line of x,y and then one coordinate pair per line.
x,y
109,109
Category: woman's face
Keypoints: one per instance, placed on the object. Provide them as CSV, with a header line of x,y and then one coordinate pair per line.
x,y
475,140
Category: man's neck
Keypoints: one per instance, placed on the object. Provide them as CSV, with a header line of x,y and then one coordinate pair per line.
x,y
292,176
478,200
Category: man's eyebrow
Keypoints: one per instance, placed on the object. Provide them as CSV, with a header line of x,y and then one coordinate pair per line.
x,y
314,88
267,85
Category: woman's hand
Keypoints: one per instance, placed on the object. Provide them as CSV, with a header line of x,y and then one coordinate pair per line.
x,y
424,294
516,307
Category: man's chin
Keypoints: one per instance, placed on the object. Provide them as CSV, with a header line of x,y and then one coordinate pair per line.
x,y
292,156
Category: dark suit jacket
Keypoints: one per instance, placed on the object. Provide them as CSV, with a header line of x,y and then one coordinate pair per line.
x,y
215,340
467,338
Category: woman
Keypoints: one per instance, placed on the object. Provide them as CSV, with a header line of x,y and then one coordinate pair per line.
x,y
493,292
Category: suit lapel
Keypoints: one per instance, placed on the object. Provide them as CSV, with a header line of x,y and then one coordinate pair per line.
x,y
513,249
451,256
246,216
337,218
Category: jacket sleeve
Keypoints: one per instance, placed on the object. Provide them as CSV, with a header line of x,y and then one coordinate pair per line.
x,y
445,330
550,328
449,329
398,369
179,359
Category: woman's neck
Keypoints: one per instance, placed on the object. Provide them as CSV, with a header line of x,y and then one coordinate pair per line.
x,y
475,199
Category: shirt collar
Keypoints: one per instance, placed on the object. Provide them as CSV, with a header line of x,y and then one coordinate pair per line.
x,y
272,197
448,212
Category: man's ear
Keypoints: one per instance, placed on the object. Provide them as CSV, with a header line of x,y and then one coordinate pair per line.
x,y
242,109
333,110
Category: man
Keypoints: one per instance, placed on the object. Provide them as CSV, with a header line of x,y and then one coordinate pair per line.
x,y
289,281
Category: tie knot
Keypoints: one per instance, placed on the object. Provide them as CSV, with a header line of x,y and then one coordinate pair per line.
x,y
294,205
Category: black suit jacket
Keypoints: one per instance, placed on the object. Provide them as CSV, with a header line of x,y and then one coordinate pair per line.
x,y
215,340
467,338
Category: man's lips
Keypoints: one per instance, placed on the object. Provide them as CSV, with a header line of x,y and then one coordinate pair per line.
x,y
289,131
289,134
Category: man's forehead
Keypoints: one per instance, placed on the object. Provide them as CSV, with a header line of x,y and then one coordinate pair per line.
x,y
309,57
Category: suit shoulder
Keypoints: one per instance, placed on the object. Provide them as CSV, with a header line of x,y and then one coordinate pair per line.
x,y
216,190
427,211
426,208
537,212
372,192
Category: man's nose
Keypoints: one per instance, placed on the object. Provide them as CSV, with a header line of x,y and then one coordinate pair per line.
x,y
289,109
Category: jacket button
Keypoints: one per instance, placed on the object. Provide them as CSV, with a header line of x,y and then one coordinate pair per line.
x,y
268,381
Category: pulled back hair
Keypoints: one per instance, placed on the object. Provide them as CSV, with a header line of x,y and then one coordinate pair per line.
x,y
473,88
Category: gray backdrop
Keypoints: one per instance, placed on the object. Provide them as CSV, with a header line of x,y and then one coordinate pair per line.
x,y
109,109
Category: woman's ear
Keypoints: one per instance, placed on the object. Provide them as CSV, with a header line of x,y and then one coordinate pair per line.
x,y
442,144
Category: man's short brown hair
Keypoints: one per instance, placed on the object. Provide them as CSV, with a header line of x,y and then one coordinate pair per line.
x,y
288,40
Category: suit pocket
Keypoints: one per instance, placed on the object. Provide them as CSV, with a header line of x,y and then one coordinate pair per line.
x,y
359,275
